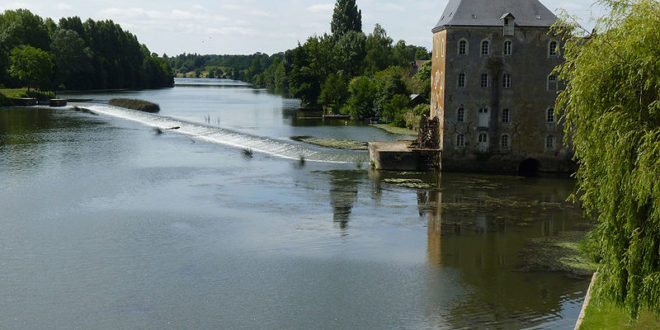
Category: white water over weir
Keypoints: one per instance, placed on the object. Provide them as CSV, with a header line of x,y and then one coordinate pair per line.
x,y
274,147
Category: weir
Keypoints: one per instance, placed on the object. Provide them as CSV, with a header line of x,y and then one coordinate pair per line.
x,y
212,134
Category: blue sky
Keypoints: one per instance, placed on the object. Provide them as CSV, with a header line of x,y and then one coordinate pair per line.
x,y
249,26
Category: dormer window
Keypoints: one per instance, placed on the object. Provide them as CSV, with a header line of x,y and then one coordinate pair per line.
x,y
508,22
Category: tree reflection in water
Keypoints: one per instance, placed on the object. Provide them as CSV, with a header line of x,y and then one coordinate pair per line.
x,y
343,194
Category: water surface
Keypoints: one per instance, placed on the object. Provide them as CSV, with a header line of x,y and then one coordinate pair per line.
x,y
106,224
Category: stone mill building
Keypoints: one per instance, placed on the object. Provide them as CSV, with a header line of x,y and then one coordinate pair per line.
x,y
493,89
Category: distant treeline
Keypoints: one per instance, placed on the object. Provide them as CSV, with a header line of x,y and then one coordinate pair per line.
x,y
73,54
345,72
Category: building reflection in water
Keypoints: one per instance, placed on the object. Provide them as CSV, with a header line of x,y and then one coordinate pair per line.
x,y
480,229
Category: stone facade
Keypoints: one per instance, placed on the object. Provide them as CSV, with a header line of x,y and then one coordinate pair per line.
x,y
493,90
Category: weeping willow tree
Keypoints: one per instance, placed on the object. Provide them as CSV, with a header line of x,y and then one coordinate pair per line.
x,y
612,118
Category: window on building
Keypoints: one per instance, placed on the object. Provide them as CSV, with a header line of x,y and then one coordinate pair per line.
x,y
552,82
550,142
504,142
483,138
484,80
442,47
460,115
462,47
507,48
505,115
485,48
460,141
551,115
552,48
506,80
461,80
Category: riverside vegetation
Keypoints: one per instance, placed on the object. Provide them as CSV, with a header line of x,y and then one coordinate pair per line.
x,y
345,72
134,104
75,55
612,118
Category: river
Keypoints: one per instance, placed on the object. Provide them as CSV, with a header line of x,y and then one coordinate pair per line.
x,y
107,224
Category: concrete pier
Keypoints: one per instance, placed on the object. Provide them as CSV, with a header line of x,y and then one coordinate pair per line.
x,y
403,155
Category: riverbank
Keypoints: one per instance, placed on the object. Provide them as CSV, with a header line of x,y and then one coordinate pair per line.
x,y
395,130
7,94
332,143
602,314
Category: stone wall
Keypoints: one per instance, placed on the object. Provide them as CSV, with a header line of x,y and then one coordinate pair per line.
x,y
527,99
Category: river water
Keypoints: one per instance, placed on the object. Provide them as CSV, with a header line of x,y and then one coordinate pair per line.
x,y
106,224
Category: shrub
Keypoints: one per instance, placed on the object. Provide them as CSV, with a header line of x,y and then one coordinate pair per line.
x,y
134,104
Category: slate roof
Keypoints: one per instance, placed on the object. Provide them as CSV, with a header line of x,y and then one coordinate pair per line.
x,y
489,12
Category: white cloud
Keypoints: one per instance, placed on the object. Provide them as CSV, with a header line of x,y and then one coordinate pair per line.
x,y
63,6
321,8
393,7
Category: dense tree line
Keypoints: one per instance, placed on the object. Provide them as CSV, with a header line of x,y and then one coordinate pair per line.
x,y
73,54
346,72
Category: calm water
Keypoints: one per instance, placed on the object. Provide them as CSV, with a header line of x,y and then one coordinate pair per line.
x,y
105,224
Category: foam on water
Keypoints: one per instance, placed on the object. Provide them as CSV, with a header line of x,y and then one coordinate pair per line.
x,y
265,145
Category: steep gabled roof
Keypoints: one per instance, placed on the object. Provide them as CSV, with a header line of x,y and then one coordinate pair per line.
x,y
489,13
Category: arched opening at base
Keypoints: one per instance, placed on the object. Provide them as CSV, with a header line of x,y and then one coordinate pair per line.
x,y
529,167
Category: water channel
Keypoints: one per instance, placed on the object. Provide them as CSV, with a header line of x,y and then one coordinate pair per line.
x,y
106,224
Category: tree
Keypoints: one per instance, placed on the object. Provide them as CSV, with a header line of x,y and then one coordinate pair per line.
x,y
31,66
349,52
612,119
361,102
333,93
379,50
346,17
72,59
395,109
389,83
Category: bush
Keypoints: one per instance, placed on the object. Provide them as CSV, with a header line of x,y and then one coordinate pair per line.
x,y
135,105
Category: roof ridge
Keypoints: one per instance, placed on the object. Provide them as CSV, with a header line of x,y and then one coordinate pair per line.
x,y
490,12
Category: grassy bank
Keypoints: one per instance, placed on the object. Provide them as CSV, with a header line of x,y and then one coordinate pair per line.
x,y
602,314
6,94
135,104
395,130
332,143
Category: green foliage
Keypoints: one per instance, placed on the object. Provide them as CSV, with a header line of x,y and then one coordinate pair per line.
x,y
312,62
612,118
422,110
421,81
349,53
89,55
32,66
346,17
361,102
72,59
334,93
379,50
389,83
395,109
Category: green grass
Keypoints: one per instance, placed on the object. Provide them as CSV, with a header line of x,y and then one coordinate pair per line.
x,y
395,130
6,94
602,314
332,143
14,93
134,104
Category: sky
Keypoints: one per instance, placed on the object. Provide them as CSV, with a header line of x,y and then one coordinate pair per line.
x,y
250,26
